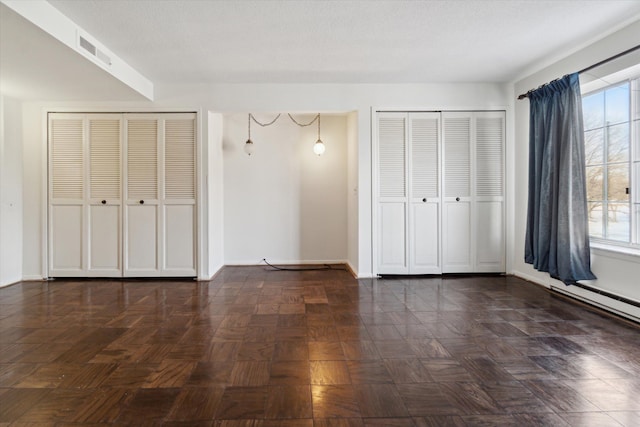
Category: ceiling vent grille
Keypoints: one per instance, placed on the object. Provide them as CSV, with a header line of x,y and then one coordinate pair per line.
x,y
93,51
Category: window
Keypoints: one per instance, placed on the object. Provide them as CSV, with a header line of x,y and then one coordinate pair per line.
x,y
611,123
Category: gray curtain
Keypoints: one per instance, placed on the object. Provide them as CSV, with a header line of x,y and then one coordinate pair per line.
x,y
557,239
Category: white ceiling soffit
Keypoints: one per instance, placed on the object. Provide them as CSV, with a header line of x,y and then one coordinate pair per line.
x,y
324,41
34,66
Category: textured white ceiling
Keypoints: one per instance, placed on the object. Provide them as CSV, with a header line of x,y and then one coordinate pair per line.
x,y
283,41
312,41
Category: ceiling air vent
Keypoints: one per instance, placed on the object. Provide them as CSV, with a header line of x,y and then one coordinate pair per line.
x,y
92,50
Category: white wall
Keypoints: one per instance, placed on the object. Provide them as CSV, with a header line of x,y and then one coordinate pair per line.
x,y
34,149
215,193
352,191
285,203
10,190
359,98
235,98
617,274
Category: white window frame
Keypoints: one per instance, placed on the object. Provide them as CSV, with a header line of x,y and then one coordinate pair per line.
x,y
631,248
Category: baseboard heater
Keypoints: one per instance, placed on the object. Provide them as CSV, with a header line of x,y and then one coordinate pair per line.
x,y
603,299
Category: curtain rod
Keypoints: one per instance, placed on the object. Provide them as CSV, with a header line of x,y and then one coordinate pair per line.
x,y
590,67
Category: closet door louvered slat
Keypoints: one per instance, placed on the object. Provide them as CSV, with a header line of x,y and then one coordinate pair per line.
x,y
67,158
457,147
179,159
489,157
142,160
424,183
66,195
425,165
392,156
104,155
392,193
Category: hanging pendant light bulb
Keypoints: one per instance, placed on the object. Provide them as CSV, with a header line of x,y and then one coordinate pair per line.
x,y
248,146
318,147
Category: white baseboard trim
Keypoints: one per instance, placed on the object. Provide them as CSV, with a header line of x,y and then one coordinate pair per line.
x,y
33,277
593,298
601,301
213,276
351,270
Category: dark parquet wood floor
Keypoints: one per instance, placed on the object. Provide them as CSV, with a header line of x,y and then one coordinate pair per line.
x,y
262,348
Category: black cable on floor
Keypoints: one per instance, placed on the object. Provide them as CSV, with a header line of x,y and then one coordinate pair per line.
x,y
276,268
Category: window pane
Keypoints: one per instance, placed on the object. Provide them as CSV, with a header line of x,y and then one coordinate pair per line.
x,y
618,143
637,221
618,182
595,219
593,111
635,189
635,125
594,146
595,190
611,137
618,224
634,88
617,104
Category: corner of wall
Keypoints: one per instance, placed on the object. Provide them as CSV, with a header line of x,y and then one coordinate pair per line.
x,y
11,203
365,184
352,191
214,173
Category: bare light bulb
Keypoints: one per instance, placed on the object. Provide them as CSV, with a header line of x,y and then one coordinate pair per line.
x,y
318,147
248,147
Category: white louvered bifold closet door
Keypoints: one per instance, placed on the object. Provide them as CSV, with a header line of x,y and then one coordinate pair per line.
x,y
142,213
473,237
122,195
424,188
67,249
104,200
160,200
392,154
84,195
489,192
179,200
439,192
456,209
